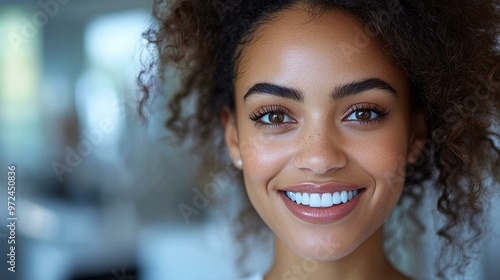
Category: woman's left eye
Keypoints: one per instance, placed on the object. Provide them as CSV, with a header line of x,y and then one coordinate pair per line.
x,y
363,115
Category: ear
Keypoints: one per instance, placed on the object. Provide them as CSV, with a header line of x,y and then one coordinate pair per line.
x,y
418,136
231,135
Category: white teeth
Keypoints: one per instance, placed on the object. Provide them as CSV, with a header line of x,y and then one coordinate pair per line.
x,y
336,198
317,200
343,196
305,199
326,200
298,198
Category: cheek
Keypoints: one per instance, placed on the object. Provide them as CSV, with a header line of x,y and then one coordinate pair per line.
x,y
383,157
383,160
262,162
263,159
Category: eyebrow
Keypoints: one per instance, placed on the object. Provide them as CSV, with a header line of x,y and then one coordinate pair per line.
x,y
266,88
339,92
361,86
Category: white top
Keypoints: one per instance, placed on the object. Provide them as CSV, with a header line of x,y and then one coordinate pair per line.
x,y
254,277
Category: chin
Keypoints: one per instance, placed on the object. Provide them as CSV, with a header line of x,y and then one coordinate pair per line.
x,y
323,249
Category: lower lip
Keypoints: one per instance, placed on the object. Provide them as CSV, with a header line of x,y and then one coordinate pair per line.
x,y
321,215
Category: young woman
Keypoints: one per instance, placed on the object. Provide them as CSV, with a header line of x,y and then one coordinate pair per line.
x,y
338,112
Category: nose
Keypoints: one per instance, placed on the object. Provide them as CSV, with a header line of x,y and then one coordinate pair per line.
x,y
320,151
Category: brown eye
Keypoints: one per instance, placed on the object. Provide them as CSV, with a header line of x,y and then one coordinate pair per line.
x,y
276,118
363,115
273,116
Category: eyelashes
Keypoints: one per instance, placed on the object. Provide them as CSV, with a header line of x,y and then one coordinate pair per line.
x,y
272,116
275,116
266,110
365,113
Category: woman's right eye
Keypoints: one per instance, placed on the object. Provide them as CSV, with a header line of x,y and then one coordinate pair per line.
x,y
275,118
272,116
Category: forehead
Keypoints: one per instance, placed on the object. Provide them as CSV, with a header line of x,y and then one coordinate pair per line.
x,y
294,41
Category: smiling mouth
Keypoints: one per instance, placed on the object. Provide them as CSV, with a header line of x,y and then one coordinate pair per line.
x,y
319,200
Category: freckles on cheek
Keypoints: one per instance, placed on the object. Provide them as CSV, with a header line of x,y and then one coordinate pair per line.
x,y
263,161
385,161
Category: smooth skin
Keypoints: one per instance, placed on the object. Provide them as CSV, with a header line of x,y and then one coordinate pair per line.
x,y
313,134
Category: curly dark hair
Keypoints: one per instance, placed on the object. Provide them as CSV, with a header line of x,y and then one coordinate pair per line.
x,y
448,49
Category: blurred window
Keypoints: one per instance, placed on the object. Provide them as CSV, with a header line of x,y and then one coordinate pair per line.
x,y
20,72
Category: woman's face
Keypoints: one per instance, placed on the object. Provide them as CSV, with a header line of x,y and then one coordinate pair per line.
x,y
324,130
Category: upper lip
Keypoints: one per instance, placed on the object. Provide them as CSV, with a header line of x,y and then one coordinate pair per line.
x,y
326,187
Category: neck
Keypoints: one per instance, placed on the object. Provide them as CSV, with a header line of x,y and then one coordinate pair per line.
x,y
368,261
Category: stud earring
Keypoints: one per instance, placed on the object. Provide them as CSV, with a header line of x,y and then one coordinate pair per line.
x,y
239,163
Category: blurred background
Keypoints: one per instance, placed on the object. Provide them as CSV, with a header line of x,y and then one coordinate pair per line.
x,y
100,196
98,193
